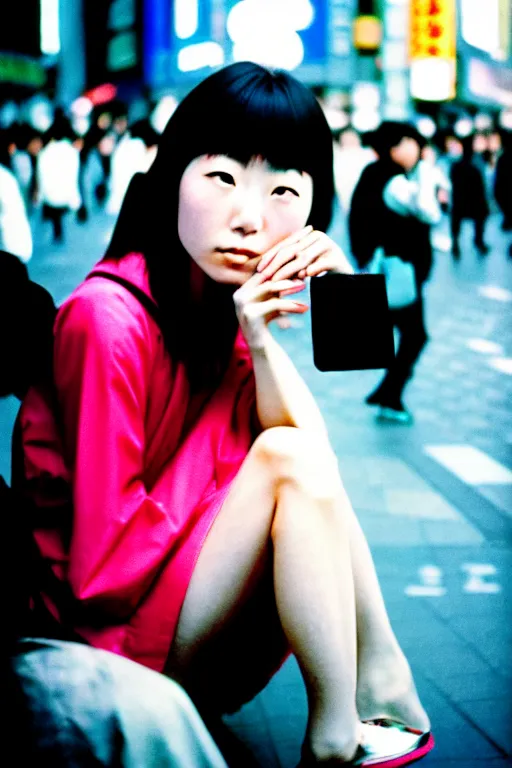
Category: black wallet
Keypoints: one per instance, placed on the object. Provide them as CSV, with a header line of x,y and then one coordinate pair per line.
x,y
351,322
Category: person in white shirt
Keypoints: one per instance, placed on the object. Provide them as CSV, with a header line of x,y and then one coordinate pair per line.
x,y
134,153
350,160
15,233
58,167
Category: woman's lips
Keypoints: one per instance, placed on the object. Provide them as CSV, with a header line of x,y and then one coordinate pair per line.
x,y
240,252
239,257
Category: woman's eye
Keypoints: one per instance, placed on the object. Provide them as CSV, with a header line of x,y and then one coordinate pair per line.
x,y
281,191
225,178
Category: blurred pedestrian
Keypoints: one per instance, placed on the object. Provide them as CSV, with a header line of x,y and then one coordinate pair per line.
x,y
393,209
58,166
15,232
107,145
450,152
21,165
469,194
503,182
134,153
431,156
179,410
101,121
34,146
350,160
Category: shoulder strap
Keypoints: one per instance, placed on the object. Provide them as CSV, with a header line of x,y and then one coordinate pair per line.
x,y
149,305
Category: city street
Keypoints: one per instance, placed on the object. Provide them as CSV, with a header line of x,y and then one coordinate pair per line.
x,y
434,499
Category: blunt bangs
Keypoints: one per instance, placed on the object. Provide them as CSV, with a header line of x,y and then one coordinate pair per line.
x,y
264,118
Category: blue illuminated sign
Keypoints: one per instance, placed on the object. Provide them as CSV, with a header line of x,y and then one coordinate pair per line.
x,y
327,41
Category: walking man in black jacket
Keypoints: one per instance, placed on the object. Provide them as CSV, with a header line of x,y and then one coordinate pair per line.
x,y
393,208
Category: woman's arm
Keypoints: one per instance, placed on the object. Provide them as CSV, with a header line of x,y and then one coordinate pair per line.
x,y
121,533
282,397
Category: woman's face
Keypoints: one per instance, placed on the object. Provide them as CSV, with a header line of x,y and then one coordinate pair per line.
x,y
230,214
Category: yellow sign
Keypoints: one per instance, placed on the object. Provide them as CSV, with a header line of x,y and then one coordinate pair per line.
x,y
433,29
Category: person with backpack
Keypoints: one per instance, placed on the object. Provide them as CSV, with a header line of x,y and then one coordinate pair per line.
x,y
189,511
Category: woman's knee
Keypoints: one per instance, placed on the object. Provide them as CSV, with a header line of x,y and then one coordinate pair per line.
x,y
300,458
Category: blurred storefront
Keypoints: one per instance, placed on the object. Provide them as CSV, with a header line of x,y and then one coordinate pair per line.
x,y
186,39
485,51
367,59
113,43
23,70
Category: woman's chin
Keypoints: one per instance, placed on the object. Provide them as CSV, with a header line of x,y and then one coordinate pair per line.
x,y
232,276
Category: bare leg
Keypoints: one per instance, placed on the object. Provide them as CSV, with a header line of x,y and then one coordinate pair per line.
x,y
287,489
385,687
291,491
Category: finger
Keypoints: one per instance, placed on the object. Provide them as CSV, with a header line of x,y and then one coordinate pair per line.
x,y
269,288
255,280
293,238
327,264
290,291
289,254
303,261
279,305
331,262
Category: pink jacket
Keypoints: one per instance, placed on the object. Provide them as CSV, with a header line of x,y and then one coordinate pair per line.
x,y
126,499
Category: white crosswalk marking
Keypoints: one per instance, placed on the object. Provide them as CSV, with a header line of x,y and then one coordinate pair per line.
x,y
485,346
469,464
476,573
495,292
431,577
502,364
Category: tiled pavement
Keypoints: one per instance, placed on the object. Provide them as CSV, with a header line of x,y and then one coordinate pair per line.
x,y
442,545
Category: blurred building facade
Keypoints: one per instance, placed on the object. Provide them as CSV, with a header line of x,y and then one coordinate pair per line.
x,y
364,56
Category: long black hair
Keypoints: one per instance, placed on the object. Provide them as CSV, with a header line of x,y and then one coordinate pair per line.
x,y
241,111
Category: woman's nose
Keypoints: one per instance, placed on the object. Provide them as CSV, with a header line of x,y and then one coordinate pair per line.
x,y
247,218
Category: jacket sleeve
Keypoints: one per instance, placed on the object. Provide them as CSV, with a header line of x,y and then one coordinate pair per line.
x,y
121,536
414,197
364,208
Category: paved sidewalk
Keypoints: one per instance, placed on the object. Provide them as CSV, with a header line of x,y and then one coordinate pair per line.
x,y
442,546
434,500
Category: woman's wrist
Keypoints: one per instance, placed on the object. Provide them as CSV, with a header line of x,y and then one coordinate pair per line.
x,y
259,341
